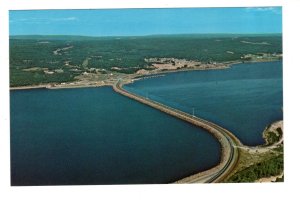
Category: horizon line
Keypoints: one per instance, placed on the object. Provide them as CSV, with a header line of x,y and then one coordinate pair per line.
x,y
262,33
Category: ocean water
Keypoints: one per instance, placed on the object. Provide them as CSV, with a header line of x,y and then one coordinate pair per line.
x,y
96,136
244,99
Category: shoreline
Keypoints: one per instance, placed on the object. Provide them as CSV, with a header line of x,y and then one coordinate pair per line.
x,y
129,77
28,87
48,86
253,155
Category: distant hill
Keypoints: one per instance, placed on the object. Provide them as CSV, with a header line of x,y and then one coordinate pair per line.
x,y
53,37
78,37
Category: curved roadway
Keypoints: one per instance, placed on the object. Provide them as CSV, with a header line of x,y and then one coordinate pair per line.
x,y
229,142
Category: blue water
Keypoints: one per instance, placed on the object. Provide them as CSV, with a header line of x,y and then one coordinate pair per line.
x,y
244,99
96,136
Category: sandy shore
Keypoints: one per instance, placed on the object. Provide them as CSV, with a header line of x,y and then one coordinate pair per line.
x,y
269,179
265,147
66,86
28,87
78,86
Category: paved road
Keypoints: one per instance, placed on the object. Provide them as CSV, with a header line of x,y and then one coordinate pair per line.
x,y
229,142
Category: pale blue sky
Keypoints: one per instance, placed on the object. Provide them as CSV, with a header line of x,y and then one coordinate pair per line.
x,y
125,22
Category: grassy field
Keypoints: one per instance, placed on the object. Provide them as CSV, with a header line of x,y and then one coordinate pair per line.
x,y
73,55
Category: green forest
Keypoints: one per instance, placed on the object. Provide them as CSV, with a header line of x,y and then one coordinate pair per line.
x,y
126,53
267,168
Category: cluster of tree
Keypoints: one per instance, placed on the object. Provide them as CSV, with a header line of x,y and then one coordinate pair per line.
x,y
271,167
273,137
23,78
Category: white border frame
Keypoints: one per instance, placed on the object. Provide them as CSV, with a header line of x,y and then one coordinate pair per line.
x,y
212,191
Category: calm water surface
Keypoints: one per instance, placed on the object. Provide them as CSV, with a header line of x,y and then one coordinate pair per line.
x,y
244,99
96,136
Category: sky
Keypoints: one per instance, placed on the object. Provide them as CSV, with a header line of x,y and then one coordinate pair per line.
x,y
135,22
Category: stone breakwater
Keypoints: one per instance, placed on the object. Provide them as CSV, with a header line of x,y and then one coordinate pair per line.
x,y
228,141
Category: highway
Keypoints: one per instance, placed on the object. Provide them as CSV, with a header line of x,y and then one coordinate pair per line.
x,y
229,155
